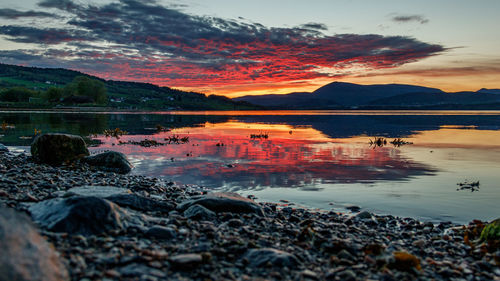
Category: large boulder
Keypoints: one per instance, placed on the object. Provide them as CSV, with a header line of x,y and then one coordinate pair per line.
x,y
56,149
270,256
85,215
25,254
110,161
223,202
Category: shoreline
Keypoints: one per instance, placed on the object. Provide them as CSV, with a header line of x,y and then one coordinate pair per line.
x,y
222,243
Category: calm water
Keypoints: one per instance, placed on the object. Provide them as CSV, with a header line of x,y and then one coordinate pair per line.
x,y
315,159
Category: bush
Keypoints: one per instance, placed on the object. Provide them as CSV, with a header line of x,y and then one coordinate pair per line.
x,y
17,94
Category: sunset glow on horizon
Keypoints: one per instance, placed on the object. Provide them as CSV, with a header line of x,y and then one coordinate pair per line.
x,y
236,49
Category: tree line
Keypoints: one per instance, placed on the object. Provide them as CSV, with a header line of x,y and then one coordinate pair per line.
x,y
81,90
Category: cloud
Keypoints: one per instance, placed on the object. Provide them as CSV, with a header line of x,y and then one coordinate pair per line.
x,y
145,41
15,14
66,5
410,18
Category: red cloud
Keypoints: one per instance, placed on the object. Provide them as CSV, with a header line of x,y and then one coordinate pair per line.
x,y
131,40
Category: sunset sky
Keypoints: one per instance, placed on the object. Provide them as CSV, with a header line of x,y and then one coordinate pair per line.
x,y
238,48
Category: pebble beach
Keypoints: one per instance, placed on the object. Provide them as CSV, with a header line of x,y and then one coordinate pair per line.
x,y
123,227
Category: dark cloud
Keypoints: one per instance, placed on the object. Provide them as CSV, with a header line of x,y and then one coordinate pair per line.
x,y
410,18
145,41
314,25
15,14
25,34
66,5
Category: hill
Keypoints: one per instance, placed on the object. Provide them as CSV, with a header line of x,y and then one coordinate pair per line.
x,y
339,95
121,94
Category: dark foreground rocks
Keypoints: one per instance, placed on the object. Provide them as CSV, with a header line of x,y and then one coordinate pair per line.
x,y
25,255
108,226
223,202
110,161
56,149
85,215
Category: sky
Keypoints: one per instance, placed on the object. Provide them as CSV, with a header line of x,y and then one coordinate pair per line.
x,y
237,48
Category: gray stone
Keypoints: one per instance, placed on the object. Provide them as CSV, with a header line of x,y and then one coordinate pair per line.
x,y
270,256
185,261
364,215
198,212
161,232
110,161
56,149
26,256
139,270
84,215
223,202
122,197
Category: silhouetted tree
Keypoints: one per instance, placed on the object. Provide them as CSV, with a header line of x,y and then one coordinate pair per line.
x,y
85,86
17,94
53,94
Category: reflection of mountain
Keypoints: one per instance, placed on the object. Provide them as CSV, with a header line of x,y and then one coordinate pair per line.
x,y
343,126
254,164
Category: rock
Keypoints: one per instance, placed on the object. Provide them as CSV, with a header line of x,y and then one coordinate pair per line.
x,y
491,231
186,261
347,275
3,148
223,202
110,161
56,149
274,257
140,270
161,232
122,197
84,215
198,212
364,215
26,255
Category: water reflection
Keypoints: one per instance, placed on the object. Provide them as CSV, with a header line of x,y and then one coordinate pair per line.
x,y
290,157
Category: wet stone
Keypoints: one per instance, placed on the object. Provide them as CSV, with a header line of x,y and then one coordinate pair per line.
x,y
111,161
270,256
223,202
186,261
83,215
161,233
198,212
140,270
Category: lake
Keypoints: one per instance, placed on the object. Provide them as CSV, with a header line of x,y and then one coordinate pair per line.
x,y
315,159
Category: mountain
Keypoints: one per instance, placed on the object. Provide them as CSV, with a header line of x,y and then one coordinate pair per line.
x,y
489,91
340,95
121,94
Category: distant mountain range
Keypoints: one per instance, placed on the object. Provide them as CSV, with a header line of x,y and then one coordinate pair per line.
x,y
340,95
